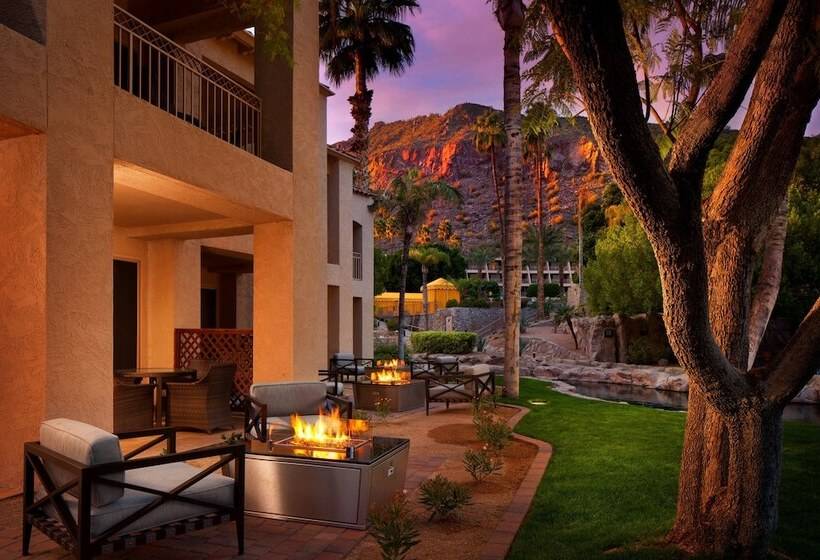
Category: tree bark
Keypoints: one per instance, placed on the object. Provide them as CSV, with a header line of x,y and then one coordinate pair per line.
x,y
510,15
499,201
360,110
424,295
407,239
768,285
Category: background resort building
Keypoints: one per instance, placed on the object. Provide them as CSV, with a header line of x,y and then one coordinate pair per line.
x,y
494,271
160,176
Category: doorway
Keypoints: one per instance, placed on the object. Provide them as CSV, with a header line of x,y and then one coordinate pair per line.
x,y
126,314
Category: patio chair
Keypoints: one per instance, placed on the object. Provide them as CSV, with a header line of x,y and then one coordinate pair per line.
x,y
82,492
133,406
435,366
347,368
271,404
204,404
459,388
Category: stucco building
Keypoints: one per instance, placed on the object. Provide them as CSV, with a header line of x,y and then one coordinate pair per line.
x,y
158,173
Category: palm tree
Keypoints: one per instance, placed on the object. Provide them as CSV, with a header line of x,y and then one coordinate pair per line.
x,y
536,127
489,136
427,257
482,255
360,38
402,206
510,16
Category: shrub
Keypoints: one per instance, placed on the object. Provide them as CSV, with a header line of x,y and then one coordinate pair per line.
x,y
478,293
481,464
442,497
443,342
453,303
641,350
532,290
392,323
394,529
493,432
552,290
385,351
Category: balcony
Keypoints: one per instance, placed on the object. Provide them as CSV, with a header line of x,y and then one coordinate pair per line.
x,y
357,265
153,68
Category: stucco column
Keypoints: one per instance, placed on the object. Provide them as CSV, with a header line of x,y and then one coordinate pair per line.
x,y
273,302
79,215
173,296
22,299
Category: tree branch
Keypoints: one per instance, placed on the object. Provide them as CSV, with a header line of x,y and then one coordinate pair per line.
x,y
768,284
726,91
798,361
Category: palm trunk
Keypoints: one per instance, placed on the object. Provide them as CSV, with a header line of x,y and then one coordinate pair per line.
x,y
405,257
424,295
768,285
540,224
360,110
499,200
510,14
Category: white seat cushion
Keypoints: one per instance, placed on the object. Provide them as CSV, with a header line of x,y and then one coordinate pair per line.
x,y
213,488
452,392
85,444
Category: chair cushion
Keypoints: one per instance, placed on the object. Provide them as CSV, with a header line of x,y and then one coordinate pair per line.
x,y
445,360
85,444
283,399
213,488
344,356
334,388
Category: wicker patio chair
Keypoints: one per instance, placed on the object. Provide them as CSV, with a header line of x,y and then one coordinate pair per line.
x,y
133,406
203,404
92,499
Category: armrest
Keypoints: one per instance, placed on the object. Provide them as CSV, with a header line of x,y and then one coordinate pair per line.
x,y
343,404
167,431
256,416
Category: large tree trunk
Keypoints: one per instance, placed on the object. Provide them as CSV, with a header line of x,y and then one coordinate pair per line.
x,y
768,284
407,239
729,479
510,14
730,466
360,103
424,296
499,202
539,218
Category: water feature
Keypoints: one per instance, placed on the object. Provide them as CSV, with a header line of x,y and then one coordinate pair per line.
x,y
672,400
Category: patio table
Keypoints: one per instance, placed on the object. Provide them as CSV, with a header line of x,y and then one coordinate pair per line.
x,y
158,377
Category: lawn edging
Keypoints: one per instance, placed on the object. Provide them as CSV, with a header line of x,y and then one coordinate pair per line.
x,y
502,537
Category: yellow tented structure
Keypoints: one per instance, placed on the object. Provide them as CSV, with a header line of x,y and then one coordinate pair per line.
x,y
439,292
386,304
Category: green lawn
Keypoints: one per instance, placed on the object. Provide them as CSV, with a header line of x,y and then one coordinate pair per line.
x,y
609,491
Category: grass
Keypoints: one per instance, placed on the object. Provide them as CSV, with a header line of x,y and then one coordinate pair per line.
x,y
610,488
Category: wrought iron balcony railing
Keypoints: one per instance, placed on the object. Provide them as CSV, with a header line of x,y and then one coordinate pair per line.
x,y
357,265
152,67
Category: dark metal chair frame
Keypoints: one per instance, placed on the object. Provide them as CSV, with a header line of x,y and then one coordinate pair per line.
x,y
421,369
461,387
75,535
342,369
256,414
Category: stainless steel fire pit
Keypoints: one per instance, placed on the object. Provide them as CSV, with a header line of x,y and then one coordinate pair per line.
x,y
331,486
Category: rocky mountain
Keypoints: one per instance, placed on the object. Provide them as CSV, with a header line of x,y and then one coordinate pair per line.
x,y
442,146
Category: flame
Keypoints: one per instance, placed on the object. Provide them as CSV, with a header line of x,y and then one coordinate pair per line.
x,y
390,373
329,430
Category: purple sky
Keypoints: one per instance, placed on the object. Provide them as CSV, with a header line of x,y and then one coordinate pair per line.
x,y
458,59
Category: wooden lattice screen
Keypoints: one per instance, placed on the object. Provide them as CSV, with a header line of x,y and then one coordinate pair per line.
x,y
223,345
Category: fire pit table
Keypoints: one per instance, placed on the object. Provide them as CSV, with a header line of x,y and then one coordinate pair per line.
x,y
389,383
330,485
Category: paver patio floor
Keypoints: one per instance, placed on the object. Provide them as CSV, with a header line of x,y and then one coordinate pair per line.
x,y
265,538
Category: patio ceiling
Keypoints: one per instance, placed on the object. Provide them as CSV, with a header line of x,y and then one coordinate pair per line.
x,y
186,21
134,208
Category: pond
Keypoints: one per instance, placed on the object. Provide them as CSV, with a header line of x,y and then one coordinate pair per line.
x,y
672,400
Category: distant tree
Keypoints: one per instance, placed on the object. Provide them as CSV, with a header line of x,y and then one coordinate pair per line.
x,y
401,208
359,39
489,138
482,255
623,275
536,127
427,257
